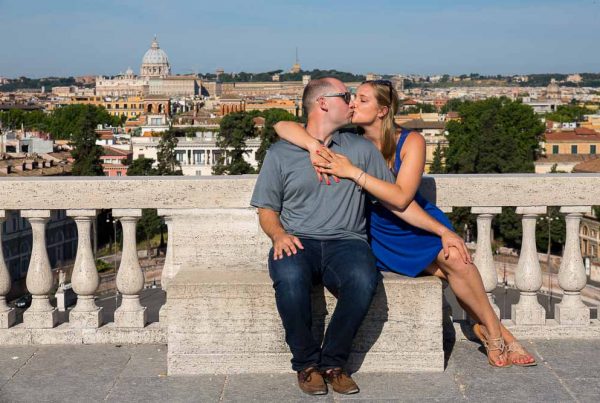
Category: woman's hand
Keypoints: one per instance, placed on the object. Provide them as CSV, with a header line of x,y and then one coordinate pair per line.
x,y
315,156
451,239
335,164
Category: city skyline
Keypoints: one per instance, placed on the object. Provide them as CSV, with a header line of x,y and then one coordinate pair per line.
x,y
433,37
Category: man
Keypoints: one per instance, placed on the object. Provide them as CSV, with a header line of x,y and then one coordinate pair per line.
x,y
319,236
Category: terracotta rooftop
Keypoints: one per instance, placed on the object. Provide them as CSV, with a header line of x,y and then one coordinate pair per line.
x,y
417,124
554,158
579,134
590,166
111,151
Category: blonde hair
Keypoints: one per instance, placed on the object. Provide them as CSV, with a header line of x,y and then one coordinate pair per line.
x,y
387,96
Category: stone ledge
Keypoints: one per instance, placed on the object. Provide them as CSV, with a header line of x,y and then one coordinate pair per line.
x,y
65,334
550,331
227,322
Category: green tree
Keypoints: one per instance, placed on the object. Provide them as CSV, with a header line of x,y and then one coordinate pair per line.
x,y
496,135
85,151
452,105
69,120
142,167
150,223
437,165
568,113
235,129
167,158
268,135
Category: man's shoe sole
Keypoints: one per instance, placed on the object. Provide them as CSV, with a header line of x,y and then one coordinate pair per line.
x,y
319,393
351,392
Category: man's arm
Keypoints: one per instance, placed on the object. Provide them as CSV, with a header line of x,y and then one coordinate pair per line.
x,y
282,241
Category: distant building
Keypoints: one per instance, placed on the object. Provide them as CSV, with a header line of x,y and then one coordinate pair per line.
x,y
115,162
196,155
155,79
564,150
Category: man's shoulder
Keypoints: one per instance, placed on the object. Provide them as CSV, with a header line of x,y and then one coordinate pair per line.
x,y
282,146
356,141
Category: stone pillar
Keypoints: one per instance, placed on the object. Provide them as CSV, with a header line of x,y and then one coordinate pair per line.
x,y
528,277
484,257
85,278
7,314
170,269
39,281
571,274
130,278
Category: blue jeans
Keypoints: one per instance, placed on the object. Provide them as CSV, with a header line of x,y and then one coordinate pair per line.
x,y
347,268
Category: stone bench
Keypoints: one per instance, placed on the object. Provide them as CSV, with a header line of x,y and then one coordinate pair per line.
x,y
227,322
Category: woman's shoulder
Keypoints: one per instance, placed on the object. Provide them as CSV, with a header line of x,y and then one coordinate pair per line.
x,y
414,139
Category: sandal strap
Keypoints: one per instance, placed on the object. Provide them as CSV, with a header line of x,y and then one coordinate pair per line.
x,y
516,347
495,344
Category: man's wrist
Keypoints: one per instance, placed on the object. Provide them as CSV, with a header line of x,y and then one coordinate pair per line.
x,y
277,234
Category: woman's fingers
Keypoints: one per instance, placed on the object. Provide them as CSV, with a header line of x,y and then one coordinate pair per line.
x,y
326,153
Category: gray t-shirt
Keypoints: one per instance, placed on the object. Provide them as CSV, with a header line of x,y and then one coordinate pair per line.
x,y
288,184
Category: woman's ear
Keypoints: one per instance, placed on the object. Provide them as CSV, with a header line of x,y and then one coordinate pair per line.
x,y
383,111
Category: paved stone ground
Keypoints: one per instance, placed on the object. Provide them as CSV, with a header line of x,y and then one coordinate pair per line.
x,y
569,370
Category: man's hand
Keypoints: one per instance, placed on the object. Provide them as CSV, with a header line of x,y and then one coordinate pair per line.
x,y
285,243
451,239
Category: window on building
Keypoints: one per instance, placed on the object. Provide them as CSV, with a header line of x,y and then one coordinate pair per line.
x,y
574,149
555,149
593,149
108,106
116,106
118,173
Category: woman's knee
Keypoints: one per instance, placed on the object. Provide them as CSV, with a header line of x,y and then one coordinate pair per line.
x,y
454,264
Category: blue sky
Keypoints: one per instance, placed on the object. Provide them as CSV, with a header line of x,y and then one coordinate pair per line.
x,y
76,37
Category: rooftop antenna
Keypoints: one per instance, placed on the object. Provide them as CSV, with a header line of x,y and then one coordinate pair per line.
x,y
296,54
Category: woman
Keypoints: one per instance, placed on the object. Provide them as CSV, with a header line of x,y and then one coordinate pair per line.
x,y
411,240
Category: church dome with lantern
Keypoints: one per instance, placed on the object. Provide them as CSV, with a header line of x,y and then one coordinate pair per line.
x,y
155,62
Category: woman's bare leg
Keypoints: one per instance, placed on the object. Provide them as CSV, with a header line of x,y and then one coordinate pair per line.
x,y
465,281
506,334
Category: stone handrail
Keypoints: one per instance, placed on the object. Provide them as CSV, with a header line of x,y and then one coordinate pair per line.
x,y
210,222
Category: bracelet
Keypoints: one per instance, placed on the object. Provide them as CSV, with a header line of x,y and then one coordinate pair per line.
x,y
357,180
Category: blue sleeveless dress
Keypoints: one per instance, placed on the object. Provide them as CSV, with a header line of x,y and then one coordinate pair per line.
x,y
397,245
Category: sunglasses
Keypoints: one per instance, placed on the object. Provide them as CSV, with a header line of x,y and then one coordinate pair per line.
x,y
346,96
387,83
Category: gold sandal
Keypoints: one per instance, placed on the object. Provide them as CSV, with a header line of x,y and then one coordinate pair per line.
x,y
517,348
492,345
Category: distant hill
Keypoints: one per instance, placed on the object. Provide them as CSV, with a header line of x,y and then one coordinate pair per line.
x,y
244,77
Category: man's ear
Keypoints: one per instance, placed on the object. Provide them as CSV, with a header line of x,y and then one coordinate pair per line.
x,y
322,102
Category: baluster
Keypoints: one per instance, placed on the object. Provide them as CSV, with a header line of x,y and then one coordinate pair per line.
x,y
41,314
130,278
169,268
85,278
528,277
7,314
484,257
571,274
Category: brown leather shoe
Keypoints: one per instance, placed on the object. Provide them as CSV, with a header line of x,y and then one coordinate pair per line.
x,y
311,381
340,381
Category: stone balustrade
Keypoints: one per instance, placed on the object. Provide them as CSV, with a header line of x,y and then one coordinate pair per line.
x,y
212,229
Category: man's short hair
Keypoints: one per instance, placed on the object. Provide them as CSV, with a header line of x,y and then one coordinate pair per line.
x,y
313,90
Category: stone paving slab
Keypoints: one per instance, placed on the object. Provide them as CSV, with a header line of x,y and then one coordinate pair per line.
x,y
568,370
